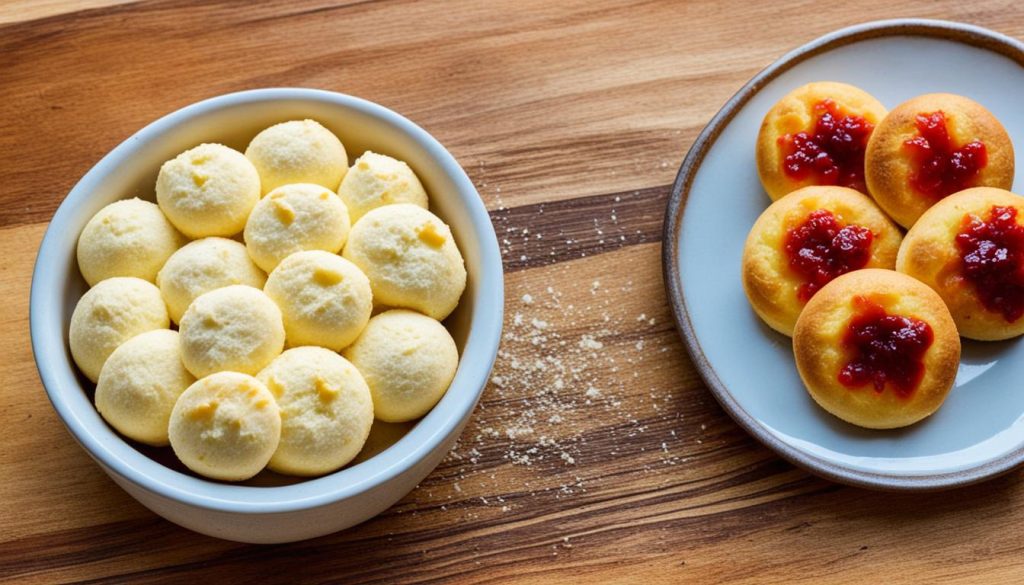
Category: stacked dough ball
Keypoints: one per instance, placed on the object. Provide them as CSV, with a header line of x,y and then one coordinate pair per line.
x,y
880,348
283,246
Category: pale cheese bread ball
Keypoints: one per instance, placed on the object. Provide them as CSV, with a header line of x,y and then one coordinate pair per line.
x,y
126,238
225,426
202,266
300,151
326,410
293,218
208,190
110,313
408,361
410,257
236,328
139,385
324,299
376,180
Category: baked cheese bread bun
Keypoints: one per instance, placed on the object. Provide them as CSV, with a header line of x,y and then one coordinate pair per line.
x,y
877,349
969,247
816,135
806,239
933,146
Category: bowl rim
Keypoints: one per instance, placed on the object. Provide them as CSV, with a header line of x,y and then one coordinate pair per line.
x,y
109,449
970,35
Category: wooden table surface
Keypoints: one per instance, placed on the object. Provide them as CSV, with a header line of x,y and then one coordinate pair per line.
x,y
608,462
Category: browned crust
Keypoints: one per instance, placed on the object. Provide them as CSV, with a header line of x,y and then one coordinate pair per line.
x,y
794,113
820,356
888,164
929,254
769,284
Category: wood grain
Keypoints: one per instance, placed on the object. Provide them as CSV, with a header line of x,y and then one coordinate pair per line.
x,y
611,464
14,11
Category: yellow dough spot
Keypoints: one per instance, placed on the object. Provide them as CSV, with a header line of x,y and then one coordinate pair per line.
x,y
274,386
203,411
284,212
262,403
201,159
428,233
118,228
324,196
326,276
324,391
210,321
199,179
883,299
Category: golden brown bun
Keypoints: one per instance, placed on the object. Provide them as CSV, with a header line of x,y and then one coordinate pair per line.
x,y
771,285
889,163
930,254
820,355
796,113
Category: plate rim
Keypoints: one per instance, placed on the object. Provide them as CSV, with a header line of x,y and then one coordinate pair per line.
x,y
971,35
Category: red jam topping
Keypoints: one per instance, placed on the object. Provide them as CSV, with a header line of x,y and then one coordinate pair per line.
x,y
942,167
885,349
992,259
820,249
833,153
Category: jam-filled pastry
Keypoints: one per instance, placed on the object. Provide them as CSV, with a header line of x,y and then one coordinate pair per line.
x,y
933,146
877,349
817,135
969,247
807,238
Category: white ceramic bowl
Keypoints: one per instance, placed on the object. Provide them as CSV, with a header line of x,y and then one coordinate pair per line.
x,y
309,508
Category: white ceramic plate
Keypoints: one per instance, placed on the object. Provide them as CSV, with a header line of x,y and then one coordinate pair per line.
x,y
979,431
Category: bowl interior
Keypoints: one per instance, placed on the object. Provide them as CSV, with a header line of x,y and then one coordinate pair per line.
x,y
131,169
